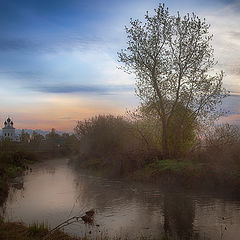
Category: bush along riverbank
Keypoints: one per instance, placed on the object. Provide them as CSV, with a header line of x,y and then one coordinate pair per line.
x,y
117,147
189,173
121,147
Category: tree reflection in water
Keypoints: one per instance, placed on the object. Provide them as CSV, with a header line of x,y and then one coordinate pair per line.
x,y
179,215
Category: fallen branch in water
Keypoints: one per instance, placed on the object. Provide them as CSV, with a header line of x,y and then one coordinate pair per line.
x,y
87,218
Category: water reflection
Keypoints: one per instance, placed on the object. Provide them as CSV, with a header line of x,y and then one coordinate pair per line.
x,y
179,215
54,191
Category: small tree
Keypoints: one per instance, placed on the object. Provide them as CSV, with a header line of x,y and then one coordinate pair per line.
x,y
171,57
52,135
37,138
24,136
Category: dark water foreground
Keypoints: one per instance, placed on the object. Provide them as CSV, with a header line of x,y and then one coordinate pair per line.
x,y
54,191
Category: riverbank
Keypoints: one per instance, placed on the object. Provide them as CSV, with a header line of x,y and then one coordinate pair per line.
x,y
121,147
176,172
18,231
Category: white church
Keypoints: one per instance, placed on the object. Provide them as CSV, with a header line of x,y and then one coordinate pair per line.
x,y
8,131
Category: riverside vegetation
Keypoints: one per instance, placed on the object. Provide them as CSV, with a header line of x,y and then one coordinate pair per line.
x,y
171,135
17,231
131,149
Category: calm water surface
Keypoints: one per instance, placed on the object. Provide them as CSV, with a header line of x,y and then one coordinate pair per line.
x,y
54,191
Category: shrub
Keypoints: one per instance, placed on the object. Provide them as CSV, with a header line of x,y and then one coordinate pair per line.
x,y
114,141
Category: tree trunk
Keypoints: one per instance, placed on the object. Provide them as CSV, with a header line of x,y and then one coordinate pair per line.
x,y
165,150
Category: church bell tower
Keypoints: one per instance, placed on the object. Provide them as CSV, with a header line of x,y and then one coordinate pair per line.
x,y
8,131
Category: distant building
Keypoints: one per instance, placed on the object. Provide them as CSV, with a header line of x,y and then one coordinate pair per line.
x,y
8,131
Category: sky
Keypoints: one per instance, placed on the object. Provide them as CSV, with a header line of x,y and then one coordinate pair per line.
x,y
59,64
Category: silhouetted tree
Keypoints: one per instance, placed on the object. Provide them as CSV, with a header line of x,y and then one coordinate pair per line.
x,y
37,138
24,137
70,144
52,134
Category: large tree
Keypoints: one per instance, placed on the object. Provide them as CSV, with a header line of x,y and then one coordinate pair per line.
x,y
172,59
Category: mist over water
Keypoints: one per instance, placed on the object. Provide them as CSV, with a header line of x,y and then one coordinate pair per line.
x,y
54,191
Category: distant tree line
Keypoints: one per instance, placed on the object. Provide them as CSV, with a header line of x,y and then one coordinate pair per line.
x,y
52,144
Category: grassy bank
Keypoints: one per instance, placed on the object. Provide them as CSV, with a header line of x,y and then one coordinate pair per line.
x,y
169,168
18,231
178,172
190,174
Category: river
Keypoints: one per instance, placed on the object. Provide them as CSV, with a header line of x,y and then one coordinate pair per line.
x,y
54,191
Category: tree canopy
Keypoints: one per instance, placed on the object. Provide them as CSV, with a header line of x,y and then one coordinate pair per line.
x,y
172,59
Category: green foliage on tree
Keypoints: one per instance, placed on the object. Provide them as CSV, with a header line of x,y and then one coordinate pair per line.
x,y
172,58
181,132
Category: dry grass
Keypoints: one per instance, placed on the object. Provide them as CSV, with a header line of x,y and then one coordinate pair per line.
x,y
18,231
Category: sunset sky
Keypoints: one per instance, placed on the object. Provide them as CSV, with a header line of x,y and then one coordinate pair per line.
x,y
58,58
